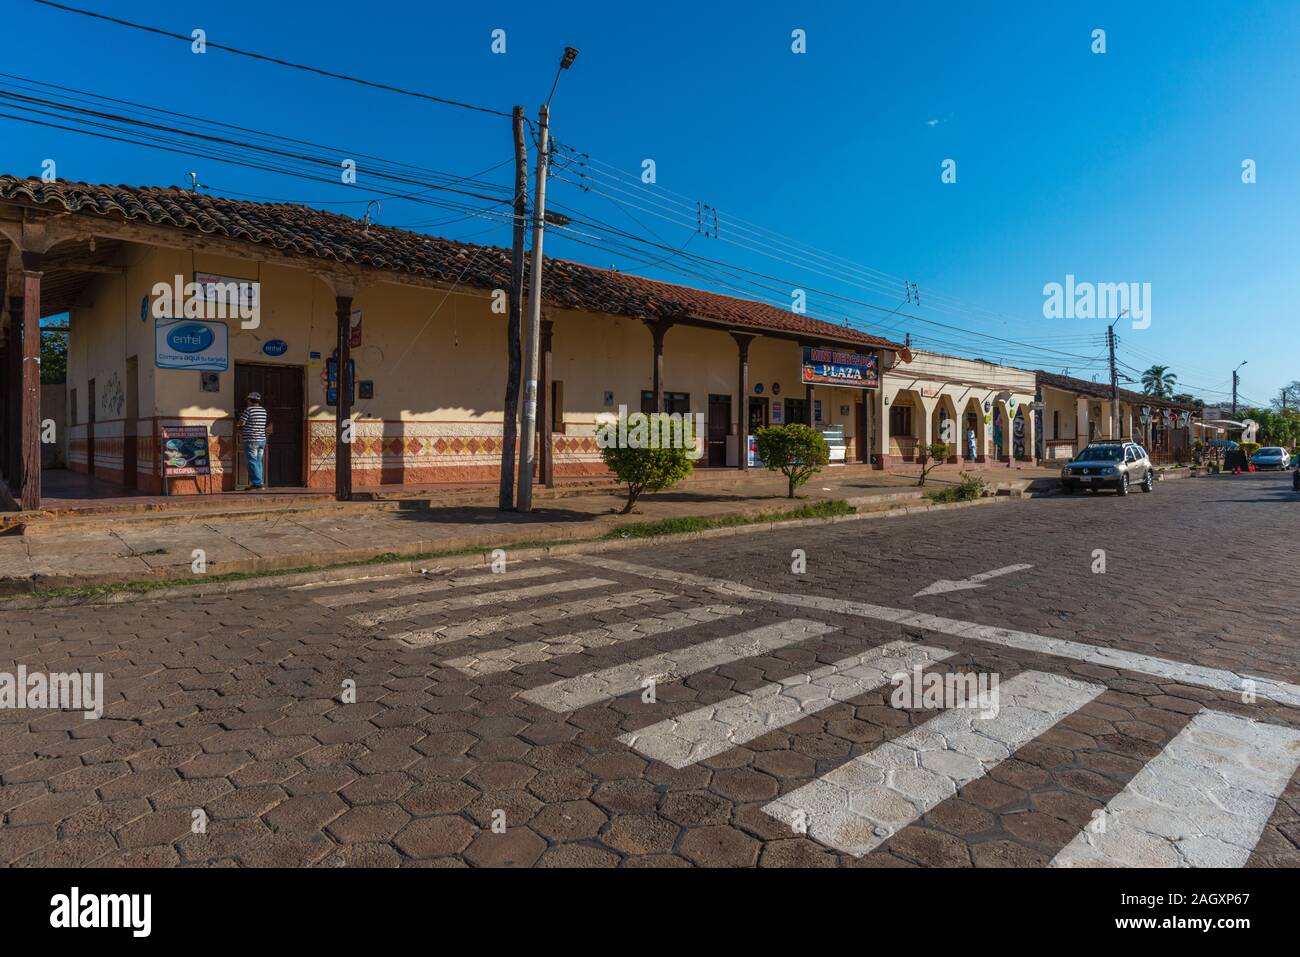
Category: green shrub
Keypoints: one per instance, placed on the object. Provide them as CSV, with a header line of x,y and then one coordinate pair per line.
x,y
651,469
969,488
930,457
796,451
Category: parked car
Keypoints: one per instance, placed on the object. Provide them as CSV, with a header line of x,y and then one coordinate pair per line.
x,y
1271,457
1117,465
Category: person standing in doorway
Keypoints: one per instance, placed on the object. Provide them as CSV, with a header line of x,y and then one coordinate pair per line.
x,y
253,430
970,445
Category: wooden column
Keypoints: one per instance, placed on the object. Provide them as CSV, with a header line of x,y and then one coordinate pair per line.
x,y
742,412
808,406
29,470
343,407
546,459
13,424
658,329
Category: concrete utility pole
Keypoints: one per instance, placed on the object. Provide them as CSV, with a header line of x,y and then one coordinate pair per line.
x,y
510,419
1114,382
1235,380
528,434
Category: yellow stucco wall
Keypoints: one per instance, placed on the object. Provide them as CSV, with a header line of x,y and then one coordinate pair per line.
x,y
437,360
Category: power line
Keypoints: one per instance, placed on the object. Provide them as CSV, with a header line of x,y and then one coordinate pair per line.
x,y
279,61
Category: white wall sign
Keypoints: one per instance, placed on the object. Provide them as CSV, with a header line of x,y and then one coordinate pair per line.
x,y
191,344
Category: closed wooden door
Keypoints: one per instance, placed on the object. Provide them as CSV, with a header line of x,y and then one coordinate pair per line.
x,y
719,426
281,388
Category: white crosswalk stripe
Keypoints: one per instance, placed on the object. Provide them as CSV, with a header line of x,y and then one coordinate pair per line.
x,y
710,730
477,600
856,807
1284,692
431,586
573,693
1203,801
481,627
497,660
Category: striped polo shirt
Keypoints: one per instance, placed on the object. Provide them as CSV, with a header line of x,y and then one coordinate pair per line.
x,y
253,419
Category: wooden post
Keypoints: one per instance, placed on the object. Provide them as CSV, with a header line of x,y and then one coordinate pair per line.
x,y
30,470
808,406
742,413
343,406
514,323
658,329
13,424
547,458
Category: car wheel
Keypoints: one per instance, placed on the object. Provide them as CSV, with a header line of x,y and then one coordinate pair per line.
x,y
1149,483
1123,484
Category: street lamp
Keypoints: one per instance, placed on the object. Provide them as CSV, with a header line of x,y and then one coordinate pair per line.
x,y
1235,380
528,431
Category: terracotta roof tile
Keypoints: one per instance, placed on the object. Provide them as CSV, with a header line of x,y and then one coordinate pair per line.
x,y
1101,390
310,232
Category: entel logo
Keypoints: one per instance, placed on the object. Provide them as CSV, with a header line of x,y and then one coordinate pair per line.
x,y
190,338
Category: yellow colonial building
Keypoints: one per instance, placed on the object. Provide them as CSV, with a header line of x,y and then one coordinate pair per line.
x,y
181,303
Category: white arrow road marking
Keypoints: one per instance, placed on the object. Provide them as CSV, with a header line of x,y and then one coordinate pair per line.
x,y
975,581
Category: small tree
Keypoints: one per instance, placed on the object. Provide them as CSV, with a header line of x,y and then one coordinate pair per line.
x,y
796,451
930,457
651,469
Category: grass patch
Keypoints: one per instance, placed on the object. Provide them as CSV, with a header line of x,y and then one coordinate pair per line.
x,y
671,526
827,508
968,489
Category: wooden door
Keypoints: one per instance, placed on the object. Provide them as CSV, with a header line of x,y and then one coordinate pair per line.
x,y
281,388
719,426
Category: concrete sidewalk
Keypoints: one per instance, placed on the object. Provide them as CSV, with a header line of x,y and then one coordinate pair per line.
x,y
104,548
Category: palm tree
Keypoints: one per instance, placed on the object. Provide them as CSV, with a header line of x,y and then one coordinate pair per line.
x,y
1159,381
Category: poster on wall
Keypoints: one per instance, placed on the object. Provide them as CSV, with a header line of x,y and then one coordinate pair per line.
x,y
191,344
185,450
332,379
831,367
777,414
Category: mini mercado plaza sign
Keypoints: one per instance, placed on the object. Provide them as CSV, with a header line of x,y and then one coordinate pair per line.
x,y
829,367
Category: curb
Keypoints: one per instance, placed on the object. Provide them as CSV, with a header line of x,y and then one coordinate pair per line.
x,y
343,572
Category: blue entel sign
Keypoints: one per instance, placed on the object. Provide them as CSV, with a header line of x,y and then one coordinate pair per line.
x,y
275,347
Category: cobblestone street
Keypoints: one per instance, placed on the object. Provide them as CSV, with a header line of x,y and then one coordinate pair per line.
x,y
704,703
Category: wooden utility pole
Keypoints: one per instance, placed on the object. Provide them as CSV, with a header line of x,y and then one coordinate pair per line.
x,y
1114,383
510,423
528,433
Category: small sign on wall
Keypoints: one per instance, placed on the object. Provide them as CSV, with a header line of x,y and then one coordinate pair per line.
x,y
209,382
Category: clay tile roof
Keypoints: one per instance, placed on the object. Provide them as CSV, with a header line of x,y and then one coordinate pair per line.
x,y
1101,390
314,233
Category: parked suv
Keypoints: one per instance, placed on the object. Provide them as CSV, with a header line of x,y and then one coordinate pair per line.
x,y
1117,465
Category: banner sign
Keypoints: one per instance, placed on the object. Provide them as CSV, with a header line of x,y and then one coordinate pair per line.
x,y
191,344
828,367
185,450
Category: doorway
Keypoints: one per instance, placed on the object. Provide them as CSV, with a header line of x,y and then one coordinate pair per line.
x,y
281,388
757,414
719,426
861,436
129,442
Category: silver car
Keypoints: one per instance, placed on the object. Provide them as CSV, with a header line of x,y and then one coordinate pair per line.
x,y
1117,465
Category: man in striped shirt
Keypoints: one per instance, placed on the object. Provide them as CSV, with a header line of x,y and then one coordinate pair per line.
x,y
253,429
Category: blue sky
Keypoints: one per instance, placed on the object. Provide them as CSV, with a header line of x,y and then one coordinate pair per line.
x,y
1115,167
